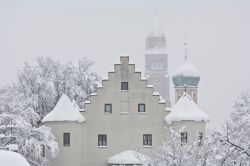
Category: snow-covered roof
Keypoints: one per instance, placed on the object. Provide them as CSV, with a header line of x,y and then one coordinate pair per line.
x,y
156,93
167,109
64,110
9,158
187,69
186,109
128,157
150,86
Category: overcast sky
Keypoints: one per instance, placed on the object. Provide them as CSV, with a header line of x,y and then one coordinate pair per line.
x,y
218,38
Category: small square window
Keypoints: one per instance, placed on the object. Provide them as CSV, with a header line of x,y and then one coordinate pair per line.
x,y
66,139
147,139
124,86
108,108
102,140
141,108
184,137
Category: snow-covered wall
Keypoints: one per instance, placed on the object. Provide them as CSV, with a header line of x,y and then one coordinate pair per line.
x,y
125,126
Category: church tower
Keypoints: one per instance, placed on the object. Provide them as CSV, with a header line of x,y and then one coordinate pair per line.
x,y
186,79
156,60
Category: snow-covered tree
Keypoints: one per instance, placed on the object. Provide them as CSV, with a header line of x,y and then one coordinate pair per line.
x,y
229,145
231,142
19,125
38,88
44,83
173,152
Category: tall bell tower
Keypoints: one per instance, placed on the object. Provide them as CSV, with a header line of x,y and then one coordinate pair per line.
x,y
156,60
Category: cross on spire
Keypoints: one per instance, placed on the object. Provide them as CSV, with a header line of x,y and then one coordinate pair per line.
x,y
185,45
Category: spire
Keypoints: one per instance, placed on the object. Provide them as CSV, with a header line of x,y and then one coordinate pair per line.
x,y
185,45
156,40
157,27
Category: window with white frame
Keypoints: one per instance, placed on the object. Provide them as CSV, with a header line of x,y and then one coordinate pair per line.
x,y
66,139
124,85
147,139
108,108
102,140
141,108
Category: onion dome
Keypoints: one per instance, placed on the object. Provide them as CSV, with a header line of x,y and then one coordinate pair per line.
x,y
186,75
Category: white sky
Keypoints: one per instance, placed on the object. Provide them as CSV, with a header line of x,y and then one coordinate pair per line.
x,y
218,36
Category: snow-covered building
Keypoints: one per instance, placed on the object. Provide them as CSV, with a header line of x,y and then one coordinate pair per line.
x,y
124,114
68,126
123,119
186,116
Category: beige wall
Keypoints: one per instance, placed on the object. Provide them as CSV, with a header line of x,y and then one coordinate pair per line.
x,y
124,127
69,155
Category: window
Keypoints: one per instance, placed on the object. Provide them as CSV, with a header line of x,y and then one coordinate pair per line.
x,y
102,140
108,108
141,107
124,86
151,66
184,137
43,150
147,139
200,137
66,139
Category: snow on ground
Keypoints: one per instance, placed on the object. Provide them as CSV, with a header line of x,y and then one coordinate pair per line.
x,y
64,111
127,157
9,158
186,109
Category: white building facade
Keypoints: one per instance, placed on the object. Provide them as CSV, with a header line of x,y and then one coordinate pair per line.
x,y
124,117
